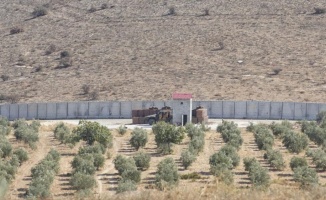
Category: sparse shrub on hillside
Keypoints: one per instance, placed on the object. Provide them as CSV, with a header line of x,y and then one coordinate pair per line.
x,y
295,142
51,48
171,11
16,30
21,154
122,163
4,78
321,118
167,174
319,11
39,11
142,160
275,159
65,63
104,6
306,176
126,185
298,162
139,138
92,9
187,158
5,147
192,175
122,130
166,135
93,95
206,12
86,88
65,54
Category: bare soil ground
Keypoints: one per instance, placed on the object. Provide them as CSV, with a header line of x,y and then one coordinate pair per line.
x,y
107,177
242,50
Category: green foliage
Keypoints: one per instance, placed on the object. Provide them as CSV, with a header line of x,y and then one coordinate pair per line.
x,y
298,162
122,130
280,130
122,164
167,174
43,175
275,159
84,163
306,176
193,130
82,181
27,132
131,174
231,152
5,147
187,158
142,160
295,142
93,131
139,138
263,137
99,160
5,128
192,175
230,133
21,154
166,135
93,149
321,117
315,133
62,132
126,185
197,144
4,121
318,158
221,164
258,175
4,185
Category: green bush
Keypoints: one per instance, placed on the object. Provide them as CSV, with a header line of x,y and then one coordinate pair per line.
x,y
82,181
126,185
295,142
315,133
280,130
22,155
5,147
122,164
122,130
192,175
306,176
321,117
248,162
220,166
264,138
193,131
139,138
275,159
187,158
230,133
99,160
27,133
197,144
166,135
167,174
93,132
231,152
84,163
4,121
92,149
259,176
61,132
298,162
142,160
4,130
131,174
39,11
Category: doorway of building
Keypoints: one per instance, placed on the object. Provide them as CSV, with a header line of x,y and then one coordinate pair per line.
x,y
184,119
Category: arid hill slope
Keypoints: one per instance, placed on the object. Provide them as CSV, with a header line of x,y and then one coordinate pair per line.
x,y
133,50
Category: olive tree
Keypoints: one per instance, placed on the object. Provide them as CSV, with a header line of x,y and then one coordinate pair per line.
x,y
139,138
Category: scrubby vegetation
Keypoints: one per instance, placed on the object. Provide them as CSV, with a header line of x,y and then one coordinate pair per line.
x,y
275,159
258,175
43,175
122,129
295,142
167,174
142,160
28,133
230,133
166,135
139,138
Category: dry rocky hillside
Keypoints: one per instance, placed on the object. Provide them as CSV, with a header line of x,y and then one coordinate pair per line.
x,y
136,50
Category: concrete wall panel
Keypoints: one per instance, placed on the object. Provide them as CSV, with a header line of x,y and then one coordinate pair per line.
x,y
217,109
72,110
126,109
252,109
195,104
51,110
5,110
62,110
264,109
228,109
105,110
115,109
41,110
321,107
13,109
82,108
32,111
158,104
147,104
276,110
240,110
94,110
137,105
22,111
168,103
312,111
300,111
288,110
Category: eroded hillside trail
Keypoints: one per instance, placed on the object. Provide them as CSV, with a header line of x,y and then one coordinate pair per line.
x,y
20,184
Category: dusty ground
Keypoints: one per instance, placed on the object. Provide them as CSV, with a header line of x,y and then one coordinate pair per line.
x,y
107,178
132,51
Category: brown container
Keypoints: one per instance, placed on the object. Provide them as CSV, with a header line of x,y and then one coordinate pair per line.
x,y
134,113
141,120
194,120
140,113
152,111
146,112
135,120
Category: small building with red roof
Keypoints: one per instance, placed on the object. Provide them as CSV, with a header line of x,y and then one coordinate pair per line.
x,y
182,108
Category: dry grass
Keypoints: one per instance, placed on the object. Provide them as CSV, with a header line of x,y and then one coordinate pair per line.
x,y
132,50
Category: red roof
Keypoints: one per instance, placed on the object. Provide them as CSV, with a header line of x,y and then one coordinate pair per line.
x,y
181,96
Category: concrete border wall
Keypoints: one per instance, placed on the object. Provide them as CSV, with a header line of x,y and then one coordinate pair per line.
x,y
122,109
